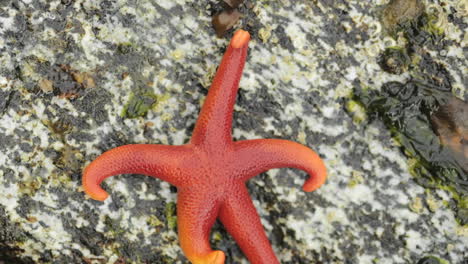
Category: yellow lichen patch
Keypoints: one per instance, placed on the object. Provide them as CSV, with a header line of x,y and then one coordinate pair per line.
x,y
178,54
462,231
450,247
166,117
27,70
356,178
84,79
30,185
462,8
331,217
46,85
356,110
416,205
162,75
217,236
173,129
413,163
301,137
154,221
265,34
161,102
432,203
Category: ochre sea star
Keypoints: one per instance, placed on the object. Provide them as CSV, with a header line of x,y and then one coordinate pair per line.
x,y
211,170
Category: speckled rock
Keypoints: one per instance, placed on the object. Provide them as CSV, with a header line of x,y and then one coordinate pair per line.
x,y
69,69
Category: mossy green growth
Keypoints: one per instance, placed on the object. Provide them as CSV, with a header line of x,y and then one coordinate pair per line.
x,y
357,111
171,216
139,104
434,22
217,236
154,221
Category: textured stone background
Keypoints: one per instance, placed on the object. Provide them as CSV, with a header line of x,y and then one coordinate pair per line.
x,y
67,68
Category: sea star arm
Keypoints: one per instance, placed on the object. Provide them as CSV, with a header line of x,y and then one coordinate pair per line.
x,y
196,214
241,220
214,124
158,161
259,155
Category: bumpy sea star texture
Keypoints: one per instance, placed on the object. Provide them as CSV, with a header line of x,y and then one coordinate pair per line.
x,y
210,172
305,58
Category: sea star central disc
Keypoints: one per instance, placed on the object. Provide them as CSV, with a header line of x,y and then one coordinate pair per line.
x,y
211,170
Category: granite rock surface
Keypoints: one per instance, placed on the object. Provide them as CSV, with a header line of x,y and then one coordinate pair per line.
x,y
74,72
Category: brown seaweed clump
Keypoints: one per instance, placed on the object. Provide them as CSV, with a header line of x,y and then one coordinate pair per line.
x,y
226,19
450,123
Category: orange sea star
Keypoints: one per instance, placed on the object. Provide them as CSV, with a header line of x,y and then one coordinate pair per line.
x,y
210,171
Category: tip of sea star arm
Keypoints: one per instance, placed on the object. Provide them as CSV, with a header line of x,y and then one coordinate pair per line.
x,y
92,187
240,39
215,257
218,257
317,177
97,193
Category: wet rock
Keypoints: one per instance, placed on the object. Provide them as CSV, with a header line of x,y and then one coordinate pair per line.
x,y
295,86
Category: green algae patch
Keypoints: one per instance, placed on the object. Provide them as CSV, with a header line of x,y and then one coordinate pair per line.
x,y
154,221
171,215
434,20
139,104
356,110
217,236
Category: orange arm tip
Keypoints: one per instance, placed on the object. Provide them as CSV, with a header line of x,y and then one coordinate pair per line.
x,y
315,181
94,191
99,195
240,38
